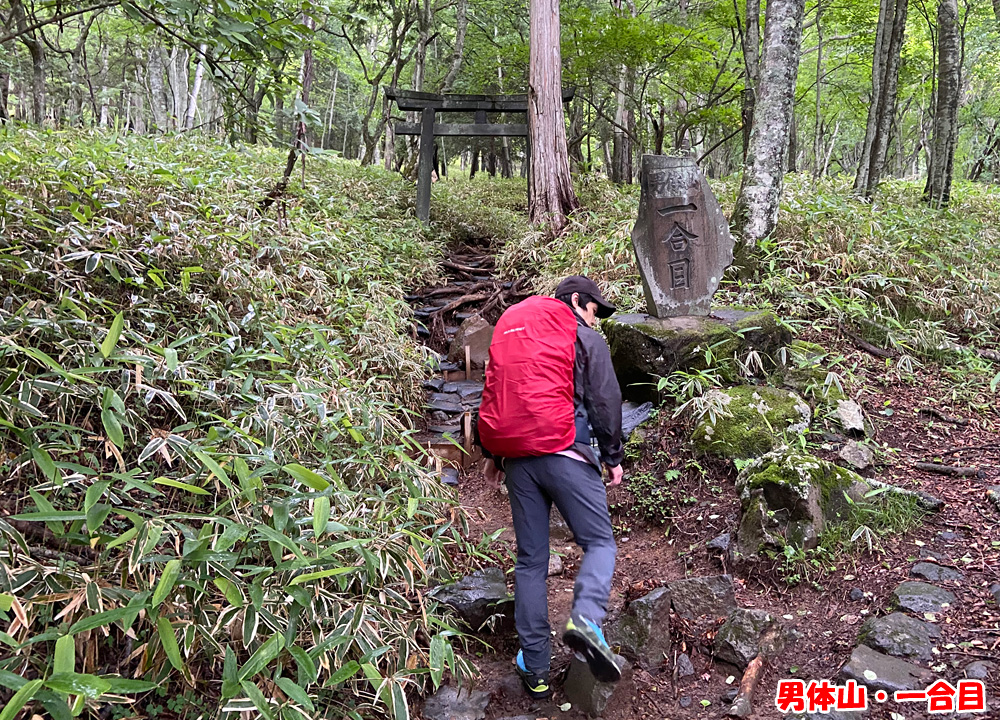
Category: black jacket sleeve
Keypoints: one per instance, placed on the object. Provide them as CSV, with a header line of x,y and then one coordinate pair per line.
x,y
602,396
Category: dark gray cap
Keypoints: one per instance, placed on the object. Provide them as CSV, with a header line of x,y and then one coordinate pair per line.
x,y
581,284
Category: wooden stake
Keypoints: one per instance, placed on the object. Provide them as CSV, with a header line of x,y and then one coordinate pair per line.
x,y
467,433
468,363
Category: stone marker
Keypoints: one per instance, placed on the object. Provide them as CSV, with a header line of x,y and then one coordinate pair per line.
x,y
681,237
449,703
882,672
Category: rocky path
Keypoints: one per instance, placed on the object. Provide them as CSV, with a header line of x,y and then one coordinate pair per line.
x,y
696,628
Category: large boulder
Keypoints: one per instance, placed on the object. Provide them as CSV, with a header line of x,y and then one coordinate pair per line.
x,y
645,348
752,421
713,595
478,597
899,635
642,632
788,498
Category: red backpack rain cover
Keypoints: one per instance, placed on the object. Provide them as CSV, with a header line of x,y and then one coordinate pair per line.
x,y
527,404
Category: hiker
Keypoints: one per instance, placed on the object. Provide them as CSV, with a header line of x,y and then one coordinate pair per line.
x,y
549,384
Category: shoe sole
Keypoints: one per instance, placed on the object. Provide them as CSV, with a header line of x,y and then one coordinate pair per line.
x,y
602,664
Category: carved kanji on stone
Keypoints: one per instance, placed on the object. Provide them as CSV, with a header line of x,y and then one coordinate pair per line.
x,y
681,238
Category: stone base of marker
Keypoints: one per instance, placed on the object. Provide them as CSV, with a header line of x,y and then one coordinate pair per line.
x,y
644,348
587,693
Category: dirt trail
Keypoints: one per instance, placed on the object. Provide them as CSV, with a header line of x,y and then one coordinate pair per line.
x,y
825,604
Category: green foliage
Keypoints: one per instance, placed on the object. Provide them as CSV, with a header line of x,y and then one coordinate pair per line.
x,y
206,411
882,515
653,497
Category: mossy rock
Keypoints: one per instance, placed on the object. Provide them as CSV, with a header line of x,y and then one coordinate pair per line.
x,y
789,497
645,348
754,421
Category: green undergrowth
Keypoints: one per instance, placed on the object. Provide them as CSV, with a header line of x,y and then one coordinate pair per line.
x,y
209,481
923,282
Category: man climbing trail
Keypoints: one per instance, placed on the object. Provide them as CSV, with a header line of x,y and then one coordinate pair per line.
x,y
549,385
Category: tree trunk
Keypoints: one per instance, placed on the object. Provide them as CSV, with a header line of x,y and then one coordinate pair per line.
x,y
157,102
4,94
751,59
551,195
887,99
756,213
818,135
199,75
576,137
949,87
461,26
989,150
885,79
328,125
105,106
37,52
177,75
621,154
879,58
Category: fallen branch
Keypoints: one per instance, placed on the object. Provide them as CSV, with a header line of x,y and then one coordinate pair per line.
x,y
743,704
464,300
952,470
772,642
934,412
865,345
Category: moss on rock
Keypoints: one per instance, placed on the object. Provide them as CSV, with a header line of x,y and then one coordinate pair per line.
x,y
645,348
754,421
789,497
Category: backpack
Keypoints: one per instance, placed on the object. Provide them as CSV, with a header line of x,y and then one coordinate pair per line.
x,y
527,407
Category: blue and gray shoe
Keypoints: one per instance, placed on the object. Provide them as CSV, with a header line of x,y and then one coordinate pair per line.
x,y
585,637
535,684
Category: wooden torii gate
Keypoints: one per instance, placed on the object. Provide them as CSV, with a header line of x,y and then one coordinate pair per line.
x,y
429,104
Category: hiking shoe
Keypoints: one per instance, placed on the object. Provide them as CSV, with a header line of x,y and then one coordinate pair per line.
x,y
585,637
535,684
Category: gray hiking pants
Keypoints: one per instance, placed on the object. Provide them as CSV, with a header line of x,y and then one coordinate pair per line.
x,y
576,488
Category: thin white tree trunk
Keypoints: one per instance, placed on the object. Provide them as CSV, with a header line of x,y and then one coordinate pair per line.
x,y
199,74
756,213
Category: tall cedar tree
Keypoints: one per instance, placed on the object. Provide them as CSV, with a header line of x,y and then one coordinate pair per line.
x,y
550,186
756,212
